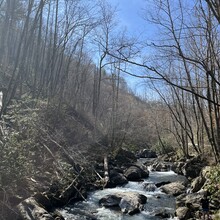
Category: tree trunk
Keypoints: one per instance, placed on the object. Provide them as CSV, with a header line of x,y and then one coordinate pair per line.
x,y
106,171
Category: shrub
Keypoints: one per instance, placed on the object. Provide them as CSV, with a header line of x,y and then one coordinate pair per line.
x,y
214,185
163,147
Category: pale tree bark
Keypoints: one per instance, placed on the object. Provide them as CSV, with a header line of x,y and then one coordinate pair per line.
x,y
23,44
183,34
103,40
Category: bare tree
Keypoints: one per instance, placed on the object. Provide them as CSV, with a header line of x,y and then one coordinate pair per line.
x,y
188,42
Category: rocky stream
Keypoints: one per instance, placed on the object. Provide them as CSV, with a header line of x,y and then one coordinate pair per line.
x,y
158,204
146,189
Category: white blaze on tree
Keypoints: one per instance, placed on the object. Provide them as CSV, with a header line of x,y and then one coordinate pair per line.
x,y
1,96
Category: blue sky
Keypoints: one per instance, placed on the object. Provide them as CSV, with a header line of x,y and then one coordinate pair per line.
x,y
129,14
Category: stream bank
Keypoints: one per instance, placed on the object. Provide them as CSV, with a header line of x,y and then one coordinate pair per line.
x,y
152,178
159,204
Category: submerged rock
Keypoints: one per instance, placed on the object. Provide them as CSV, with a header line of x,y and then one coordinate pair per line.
x,y
149,187
110,201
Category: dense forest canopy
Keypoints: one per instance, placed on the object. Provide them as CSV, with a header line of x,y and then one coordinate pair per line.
x,y
63,94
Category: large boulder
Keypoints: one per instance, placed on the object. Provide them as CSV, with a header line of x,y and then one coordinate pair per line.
x,y
174,178
128,202
191,170
183,213
117,178
175,188
123,157
191,200
135,173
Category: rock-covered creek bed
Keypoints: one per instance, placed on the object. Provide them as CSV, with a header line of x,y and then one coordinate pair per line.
x,y
103,206
153,188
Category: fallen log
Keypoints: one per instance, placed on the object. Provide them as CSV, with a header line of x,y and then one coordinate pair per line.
x,y
29,209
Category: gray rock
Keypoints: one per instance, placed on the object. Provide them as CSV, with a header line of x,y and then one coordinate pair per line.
x,y
191,201
129,202
183,213
124,156
127,206
194,199
117,179
135,173
110,201
149,187
175,188
193,167
197,184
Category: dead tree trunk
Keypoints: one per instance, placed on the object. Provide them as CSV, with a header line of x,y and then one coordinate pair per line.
x,y
29,209
106,171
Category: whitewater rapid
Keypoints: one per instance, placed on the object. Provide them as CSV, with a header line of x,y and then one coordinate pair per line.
x,y
157,201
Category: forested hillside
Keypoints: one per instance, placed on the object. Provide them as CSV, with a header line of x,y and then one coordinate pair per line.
x,y
64,100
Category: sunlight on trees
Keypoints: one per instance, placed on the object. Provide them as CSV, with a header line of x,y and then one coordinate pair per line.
x,y
63,98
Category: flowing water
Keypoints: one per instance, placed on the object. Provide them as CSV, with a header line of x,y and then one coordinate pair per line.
x,y
157,201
